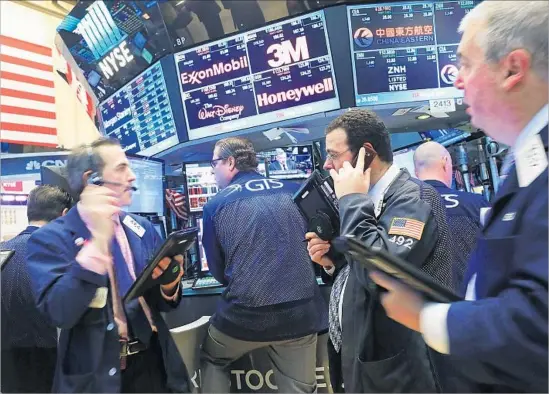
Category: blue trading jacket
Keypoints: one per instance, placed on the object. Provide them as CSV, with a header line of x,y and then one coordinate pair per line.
x,y
463,213
253,235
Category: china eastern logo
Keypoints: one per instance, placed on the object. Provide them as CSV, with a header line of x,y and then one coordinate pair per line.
x,y
363,37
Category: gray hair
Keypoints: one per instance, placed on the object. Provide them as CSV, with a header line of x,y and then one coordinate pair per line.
x,y
512,25
241,149
86,158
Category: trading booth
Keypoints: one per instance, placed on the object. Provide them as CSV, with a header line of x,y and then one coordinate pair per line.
x,y
169,96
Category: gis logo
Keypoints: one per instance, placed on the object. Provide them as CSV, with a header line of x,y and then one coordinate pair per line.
x,y
363,37
285,53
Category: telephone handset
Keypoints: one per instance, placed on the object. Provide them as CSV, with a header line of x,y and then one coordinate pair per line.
x,y
368,158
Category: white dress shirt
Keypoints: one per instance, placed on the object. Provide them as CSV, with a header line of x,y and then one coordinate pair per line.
x,y
376,193
433,318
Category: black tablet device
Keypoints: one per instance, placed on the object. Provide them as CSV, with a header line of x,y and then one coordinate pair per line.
x,y
317,201
5,256
177,243
381,260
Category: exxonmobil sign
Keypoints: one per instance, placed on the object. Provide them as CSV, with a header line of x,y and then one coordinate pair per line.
x,y
197,77
296,94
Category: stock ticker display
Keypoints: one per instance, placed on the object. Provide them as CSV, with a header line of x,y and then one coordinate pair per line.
x,y
405,52
113,41
140,116
278,72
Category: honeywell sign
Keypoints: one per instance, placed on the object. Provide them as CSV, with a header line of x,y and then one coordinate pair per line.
x,y
297,94
197,77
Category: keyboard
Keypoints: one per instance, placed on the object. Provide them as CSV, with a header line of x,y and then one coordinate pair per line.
x,y
207,282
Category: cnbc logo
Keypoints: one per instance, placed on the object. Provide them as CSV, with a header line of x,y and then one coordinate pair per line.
x,y
363,37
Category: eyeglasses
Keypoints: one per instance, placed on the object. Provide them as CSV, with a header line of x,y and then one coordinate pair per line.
x,y
335,156
213,162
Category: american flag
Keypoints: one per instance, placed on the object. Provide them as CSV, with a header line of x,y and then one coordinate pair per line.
x,y
176,202
407,227
27,93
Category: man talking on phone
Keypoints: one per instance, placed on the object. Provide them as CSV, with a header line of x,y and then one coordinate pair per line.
x,y
81,266
385,208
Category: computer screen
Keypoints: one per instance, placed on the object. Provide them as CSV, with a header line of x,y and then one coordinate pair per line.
x,y
201,253
113,41
405,159
294,162
445,137
149,180
201,184
159,227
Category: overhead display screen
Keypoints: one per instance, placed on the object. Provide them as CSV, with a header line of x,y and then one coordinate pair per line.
x,y
140,116
278,72
404,52
114,40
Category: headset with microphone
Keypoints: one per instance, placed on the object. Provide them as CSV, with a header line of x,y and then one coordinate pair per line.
x,y
95,178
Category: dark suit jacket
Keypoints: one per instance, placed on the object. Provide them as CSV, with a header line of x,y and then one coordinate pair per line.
x,y
501,339
88,351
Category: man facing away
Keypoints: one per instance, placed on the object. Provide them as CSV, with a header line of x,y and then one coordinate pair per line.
x,y
83,264
29,341
433,165
253,235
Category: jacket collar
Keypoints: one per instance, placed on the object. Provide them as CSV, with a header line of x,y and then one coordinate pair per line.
x,y
435,183
29,230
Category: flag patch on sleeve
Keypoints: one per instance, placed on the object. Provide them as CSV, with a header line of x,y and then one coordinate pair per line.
x,y
407,227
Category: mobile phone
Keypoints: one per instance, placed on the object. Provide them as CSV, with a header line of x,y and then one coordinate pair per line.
x,y
368,158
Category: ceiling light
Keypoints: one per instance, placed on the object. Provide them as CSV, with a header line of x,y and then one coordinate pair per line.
x,y
423,116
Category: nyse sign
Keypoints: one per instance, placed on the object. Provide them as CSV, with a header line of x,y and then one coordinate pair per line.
x,y
115,60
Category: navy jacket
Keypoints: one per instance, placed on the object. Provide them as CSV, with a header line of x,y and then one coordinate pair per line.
x,y
463,213
379,355
23,326
88,350
502,337
253,235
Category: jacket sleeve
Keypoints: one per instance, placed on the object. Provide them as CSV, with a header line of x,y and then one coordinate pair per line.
x,y
357,218
63,289
212,248
508,332
153,296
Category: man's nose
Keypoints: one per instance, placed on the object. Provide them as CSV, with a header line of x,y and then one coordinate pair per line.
x,y
328,165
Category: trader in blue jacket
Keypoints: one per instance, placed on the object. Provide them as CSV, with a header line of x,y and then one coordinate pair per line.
x,y
29,341
82,264
498,334
433,165
253,239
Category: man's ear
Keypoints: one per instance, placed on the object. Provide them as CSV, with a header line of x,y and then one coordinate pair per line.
x,y
64,211
232,162
86,176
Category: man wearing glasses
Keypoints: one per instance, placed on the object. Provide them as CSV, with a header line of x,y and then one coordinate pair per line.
x,y
391,211
253,235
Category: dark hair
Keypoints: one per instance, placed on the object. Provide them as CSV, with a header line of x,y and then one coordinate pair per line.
x,y
47,203
85,158
361,126
241,149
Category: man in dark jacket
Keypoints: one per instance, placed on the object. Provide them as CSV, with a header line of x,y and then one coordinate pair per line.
x,y
82,265
29,341
498,334
253,235
392,211
433,165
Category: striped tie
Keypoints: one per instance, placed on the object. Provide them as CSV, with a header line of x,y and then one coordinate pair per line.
x,y
335,297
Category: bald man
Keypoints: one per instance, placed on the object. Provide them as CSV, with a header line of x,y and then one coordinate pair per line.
x,y
433,165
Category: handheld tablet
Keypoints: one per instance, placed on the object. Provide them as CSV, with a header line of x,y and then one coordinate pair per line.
x,y
381,260
177,243
5,256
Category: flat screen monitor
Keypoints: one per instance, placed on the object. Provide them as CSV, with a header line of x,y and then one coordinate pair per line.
x,y
445,137
149,180
201,253
404,52
201,185
405,159
294,162
159,227
281,71
112,41
140,114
